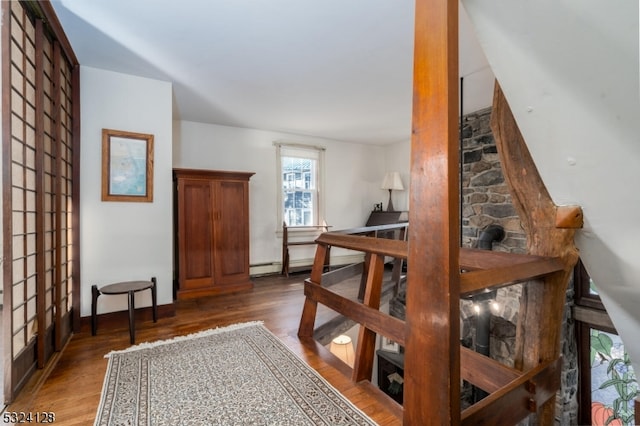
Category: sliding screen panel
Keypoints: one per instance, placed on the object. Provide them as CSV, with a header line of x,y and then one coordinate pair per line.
x,y
23,288
47,174
63,77
40,95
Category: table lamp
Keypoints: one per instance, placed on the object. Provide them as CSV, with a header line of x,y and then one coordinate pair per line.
x,y
392,181
342,347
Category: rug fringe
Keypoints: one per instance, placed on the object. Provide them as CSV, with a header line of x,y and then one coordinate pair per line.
x,y
208,332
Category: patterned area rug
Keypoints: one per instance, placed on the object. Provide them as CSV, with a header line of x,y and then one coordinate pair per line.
x,y
237,375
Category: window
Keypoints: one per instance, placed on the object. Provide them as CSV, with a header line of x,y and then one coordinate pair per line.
x,y
300,173
613,381
608,384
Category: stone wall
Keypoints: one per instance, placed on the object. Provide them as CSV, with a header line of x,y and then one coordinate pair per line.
x,y
486,198
486,201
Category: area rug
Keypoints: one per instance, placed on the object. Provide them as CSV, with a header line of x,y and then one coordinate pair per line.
x,y
237,375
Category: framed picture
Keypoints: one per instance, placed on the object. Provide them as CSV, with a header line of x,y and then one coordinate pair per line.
x,y
389,345
127,166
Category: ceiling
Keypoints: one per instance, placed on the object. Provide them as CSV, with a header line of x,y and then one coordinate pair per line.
x,y
333,69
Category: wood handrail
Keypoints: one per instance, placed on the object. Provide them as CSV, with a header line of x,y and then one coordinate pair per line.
x,y
472,259
512,393
381,246
516,400
479,370
372,229
484,372
493,270
483,269
373,319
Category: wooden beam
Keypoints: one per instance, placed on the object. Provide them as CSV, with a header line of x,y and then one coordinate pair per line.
x,y
595,317
513,402
485,269
310,308
433,280
540,316
336,276
6,350
75,197
371,318
367,337
477,281
569,217
473,259
384,246
41,285
484,372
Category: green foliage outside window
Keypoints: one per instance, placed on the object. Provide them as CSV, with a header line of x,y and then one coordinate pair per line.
x,y
619,385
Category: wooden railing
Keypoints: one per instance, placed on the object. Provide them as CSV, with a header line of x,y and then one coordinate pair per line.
x,y
287,242
513,394
392,231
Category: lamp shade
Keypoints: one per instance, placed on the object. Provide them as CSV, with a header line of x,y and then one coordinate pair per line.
x,y
342,347
392,181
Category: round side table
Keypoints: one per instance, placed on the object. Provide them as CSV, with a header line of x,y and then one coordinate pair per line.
x,y
127,287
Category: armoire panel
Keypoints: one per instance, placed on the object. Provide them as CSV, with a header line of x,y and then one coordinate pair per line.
x,y
212,226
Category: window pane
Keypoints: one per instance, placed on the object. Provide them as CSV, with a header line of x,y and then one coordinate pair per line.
x,y
613,381
299,188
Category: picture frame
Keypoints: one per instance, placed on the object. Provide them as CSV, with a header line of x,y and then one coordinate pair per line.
x,y
389,345
127,166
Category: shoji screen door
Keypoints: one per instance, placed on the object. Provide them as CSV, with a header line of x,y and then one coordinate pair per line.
x,y
39,85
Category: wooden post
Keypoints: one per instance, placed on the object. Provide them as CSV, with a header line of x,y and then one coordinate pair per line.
x,y
310,308
432,357
366,338
542,302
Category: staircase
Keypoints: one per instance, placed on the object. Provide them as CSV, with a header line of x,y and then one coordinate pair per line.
x,y
480,270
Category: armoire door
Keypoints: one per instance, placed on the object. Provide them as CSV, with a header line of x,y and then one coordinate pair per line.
x,y
195,233
231,234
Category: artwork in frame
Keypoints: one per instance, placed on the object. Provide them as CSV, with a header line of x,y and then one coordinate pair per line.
x,y
389,345
127,166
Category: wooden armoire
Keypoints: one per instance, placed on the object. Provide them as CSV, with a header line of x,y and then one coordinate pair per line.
x,y
211,232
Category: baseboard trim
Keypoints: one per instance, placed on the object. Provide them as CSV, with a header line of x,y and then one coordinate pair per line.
x,y
111,320
276,267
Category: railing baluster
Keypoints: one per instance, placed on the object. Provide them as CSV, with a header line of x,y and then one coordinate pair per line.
x,y
367,338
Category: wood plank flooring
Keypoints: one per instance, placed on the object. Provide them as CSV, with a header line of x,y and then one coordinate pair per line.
x,y
71,389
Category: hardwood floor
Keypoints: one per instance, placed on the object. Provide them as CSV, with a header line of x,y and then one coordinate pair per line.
x,y
71,389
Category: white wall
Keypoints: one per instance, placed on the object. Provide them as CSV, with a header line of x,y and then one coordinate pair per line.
x,y
122,241
398,159
353,176
569,71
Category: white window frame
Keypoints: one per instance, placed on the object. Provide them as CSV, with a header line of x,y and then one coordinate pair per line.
x,y
288,149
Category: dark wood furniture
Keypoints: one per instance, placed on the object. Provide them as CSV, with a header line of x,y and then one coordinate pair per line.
x,y
286,243
379,217
130,288
388,364
212,232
